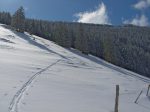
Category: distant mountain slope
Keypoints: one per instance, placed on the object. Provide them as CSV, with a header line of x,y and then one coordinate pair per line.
x,y
125,46
36,75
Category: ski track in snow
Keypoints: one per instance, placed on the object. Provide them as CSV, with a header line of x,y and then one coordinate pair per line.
x,y
125,72
13,107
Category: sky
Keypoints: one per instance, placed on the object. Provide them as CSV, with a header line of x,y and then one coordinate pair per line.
x,y
113,12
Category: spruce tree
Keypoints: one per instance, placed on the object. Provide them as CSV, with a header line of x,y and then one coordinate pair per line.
x,y
18,20
5,18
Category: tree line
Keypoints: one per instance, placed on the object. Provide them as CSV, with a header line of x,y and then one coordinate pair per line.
x,y
127,46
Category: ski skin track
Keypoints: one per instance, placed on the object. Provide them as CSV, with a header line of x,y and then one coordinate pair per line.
x,y
13,107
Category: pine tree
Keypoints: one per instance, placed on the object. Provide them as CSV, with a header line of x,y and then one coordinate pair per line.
x,y
81,41
18,20
5,18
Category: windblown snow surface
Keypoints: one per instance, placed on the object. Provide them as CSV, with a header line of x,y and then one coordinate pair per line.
x,y
36,75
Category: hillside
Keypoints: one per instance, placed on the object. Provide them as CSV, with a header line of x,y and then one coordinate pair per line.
x,y
36,75
127,46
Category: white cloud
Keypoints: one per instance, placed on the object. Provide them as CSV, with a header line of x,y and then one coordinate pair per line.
x,y
138,20
99,16
142,4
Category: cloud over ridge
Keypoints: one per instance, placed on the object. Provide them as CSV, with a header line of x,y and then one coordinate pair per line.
x,y
138,20
141,20
99,16
142,4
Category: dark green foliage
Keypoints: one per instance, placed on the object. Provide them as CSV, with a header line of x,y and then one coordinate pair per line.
x,y
81,39
107,45
5,18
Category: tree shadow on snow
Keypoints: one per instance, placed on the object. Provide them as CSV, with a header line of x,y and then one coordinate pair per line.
x,y
33,42
108,65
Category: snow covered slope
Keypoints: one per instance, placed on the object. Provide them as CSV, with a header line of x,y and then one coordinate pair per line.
x,y
37,75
